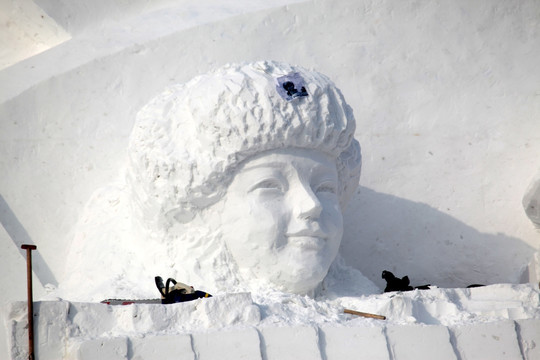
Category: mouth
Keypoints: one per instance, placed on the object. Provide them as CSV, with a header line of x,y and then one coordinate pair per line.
x,y
307,242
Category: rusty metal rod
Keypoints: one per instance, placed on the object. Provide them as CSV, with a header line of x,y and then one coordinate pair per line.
x,y
29,249
368,315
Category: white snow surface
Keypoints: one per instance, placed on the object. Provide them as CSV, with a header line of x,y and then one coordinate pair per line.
x,y
444,96
446,99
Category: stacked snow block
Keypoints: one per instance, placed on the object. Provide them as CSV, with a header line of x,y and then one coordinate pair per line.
x,y
529,338
290,343
243,343
343,342
111,349
161,347
488,341
412,342
51,327
80,331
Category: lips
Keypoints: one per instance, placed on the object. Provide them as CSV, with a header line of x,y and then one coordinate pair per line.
x,y
315,231
307,239
307,242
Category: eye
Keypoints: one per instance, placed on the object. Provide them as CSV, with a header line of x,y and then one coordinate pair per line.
x,y
326,187
267,184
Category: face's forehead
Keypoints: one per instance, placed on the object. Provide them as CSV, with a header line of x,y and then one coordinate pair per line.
x,y
307,162
280,160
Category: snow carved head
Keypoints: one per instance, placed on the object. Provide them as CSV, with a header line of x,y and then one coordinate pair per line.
x,y
266,151
531,201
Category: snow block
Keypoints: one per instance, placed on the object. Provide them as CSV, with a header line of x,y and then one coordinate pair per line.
x,y
17,325
529,338
416,342
50,324
109,348
228,345
493,340
513,301
341,342
229,309
290,343
92,319
167,347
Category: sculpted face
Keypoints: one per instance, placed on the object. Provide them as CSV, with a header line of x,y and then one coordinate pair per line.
x,y
281,218
195,207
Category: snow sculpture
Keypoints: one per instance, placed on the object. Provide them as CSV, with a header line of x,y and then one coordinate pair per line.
x,y
531,205
531,201
236,181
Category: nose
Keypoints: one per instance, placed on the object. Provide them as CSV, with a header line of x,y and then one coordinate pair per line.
x,y
306,203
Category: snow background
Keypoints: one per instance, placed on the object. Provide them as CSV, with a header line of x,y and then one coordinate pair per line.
x,y
446,97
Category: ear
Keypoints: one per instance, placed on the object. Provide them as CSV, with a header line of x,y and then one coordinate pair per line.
x,y
179,215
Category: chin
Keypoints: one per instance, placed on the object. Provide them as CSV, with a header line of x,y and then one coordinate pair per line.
x,y
302,287
305,279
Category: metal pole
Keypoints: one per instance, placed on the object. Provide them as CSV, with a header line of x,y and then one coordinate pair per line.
x,y
29,249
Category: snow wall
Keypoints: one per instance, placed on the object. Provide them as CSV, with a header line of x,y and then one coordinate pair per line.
x,y
445,95
492,322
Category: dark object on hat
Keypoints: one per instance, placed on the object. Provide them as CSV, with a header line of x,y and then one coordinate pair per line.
x,y
291,86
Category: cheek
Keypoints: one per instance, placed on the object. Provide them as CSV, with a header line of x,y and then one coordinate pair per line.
x,y
331,216
254,224
266,224
255,235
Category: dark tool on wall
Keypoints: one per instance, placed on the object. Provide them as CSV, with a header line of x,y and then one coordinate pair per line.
x,y
29,249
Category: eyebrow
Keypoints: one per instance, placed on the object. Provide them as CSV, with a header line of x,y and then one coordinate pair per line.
x,y
275,164
279,164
